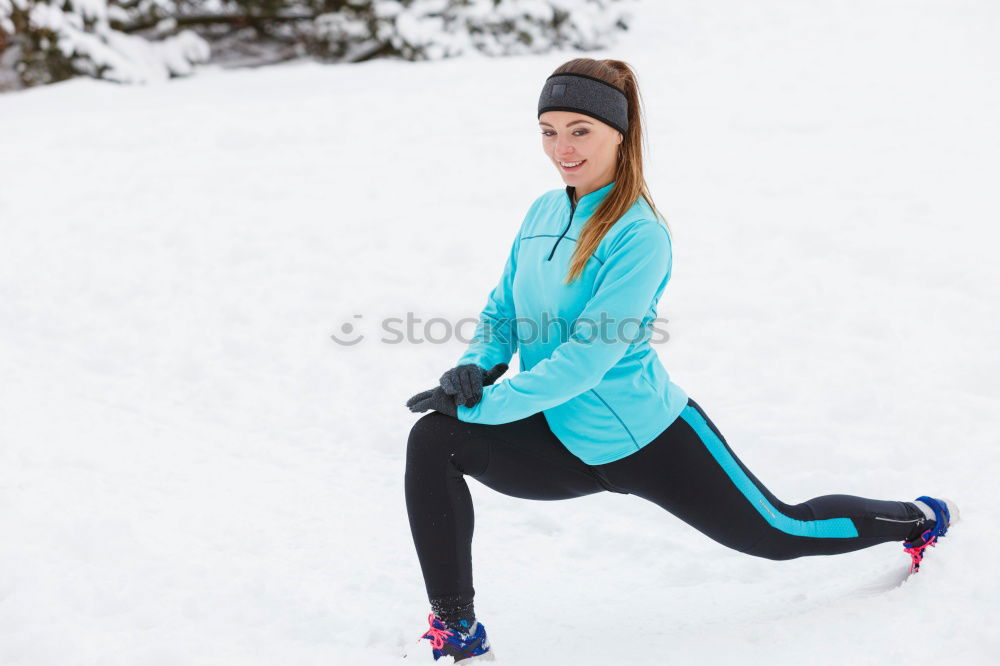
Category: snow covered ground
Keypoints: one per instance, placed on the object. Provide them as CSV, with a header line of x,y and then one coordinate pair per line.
x,y
192,472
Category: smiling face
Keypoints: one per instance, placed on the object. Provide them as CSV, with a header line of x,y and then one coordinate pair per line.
x,y
569,137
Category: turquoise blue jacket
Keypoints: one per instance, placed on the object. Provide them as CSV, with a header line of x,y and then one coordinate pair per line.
x,y
585,357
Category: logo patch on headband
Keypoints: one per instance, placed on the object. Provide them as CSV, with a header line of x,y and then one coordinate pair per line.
x,y
558,89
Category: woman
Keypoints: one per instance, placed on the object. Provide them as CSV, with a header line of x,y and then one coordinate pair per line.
x,y
592,408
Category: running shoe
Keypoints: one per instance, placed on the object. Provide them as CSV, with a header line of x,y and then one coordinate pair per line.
x,y
465,644
945,513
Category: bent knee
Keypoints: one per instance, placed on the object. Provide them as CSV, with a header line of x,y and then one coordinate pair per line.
x,y
431,432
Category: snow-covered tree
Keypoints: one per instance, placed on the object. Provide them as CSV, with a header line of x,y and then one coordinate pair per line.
x,y
430,29
50,40
133,41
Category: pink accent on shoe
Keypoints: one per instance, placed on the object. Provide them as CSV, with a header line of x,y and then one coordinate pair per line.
x,y
917,552
436,635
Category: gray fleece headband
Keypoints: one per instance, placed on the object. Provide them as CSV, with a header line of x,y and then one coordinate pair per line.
x,y
587,95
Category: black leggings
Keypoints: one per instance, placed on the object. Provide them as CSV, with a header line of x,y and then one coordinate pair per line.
x,y
689,470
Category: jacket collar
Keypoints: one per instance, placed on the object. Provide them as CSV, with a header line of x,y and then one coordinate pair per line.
x,y
588,203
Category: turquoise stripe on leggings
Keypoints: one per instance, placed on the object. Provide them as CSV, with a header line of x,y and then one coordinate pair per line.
x,y
827,528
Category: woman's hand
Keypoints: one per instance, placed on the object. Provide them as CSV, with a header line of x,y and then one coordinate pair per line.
x,y
446,403
436,399
466,382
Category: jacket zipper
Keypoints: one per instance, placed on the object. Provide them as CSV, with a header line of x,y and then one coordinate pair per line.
x,y
568,225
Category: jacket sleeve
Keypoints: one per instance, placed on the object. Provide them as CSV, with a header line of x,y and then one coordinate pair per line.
x,y
495,339
633,275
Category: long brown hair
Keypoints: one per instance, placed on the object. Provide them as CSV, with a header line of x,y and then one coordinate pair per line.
x,y
629,181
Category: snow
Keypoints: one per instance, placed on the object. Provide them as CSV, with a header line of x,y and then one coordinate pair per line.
x,y
192,472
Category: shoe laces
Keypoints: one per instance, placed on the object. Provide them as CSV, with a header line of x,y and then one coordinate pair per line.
x,y
437,635
916,553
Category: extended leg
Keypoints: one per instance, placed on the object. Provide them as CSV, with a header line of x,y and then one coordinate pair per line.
x,y
691,471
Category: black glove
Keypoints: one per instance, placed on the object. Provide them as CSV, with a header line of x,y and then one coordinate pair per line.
x,y
437,399
434,398
465,382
